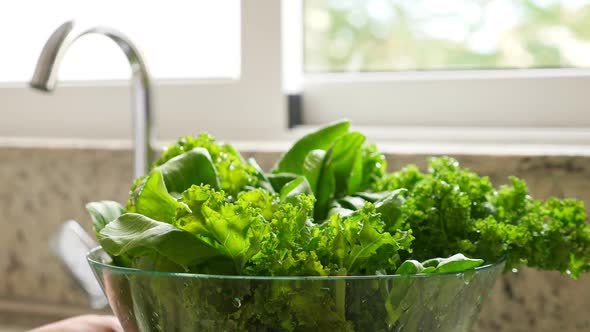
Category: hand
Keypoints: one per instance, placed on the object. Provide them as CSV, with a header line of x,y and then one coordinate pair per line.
x,y
85,323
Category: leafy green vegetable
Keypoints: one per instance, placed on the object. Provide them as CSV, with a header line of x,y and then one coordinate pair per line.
x,y
138,235
410,266
329,208
233,229
151,199
335,162
295,188
451,210
103,212
344,154
325,188
180,172
278,180
292,160
457,263
290,246
234,174
360,245
313,165
263,179
374,167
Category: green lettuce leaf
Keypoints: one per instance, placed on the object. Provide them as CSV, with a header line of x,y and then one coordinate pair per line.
x,y
235,229
151,199
103,212
292,160
295,188
192,167
233,172
359,244
139,235
343,158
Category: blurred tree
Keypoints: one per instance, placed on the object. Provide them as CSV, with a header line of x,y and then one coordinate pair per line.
x,y
386,35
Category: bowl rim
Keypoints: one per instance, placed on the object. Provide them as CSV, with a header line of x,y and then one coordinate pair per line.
x,y
133,271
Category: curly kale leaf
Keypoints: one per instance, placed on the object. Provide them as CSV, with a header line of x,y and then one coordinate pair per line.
x,y
235,229
289,246
451,210
359,244
374,168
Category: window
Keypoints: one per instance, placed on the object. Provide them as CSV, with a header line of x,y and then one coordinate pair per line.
x,y
171,37
409,69
400,35
216,67
452,64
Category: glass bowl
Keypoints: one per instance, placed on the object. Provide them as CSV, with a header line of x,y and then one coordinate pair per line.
x,y
162,301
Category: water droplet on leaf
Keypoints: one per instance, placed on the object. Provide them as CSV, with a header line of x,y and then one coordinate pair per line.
x,y
237,302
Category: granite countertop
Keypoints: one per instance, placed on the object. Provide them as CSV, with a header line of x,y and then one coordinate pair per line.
x,y
43,187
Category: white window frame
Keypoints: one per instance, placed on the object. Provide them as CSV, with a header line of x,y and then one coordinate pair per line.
x,y
515,107
548,106
249,107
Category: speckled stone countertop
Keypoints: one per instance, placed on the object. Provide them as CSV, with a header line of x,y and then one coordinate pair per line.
x,y
42,187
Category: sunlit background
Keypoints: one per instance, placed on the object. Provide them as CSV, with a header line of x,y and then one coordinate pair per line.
x,y
179,38
386,35
201,39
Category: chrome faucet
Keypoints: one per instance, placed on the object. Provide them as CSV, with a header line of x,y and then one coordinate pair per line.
x,y
71,242
45,79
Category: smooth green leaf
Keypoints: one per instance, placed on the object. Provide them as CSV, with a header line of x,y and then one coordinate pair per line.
x,y
103,212
390,208
279,180
312,168
458,263
430,269
343,212
133,233
409,267
320,174
433,262
373,196
352,202
292,160
325,191
355,180
344,152
193,167
153,199
263,180
294,188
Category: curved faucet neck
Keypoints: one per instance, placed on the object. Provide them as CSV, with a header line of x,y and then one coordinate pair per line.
x,y
45,79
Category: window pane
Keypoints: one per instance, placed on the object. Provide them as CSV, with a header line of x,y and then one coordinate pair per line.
x,y
179,38
389,35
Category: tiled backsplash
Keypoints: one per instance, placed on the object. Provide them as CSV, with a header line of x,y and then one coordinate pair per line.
x,y
42,187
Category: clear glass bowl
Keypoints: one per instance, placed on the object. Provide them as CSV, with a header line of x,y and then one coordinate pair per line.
x,y
159,301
